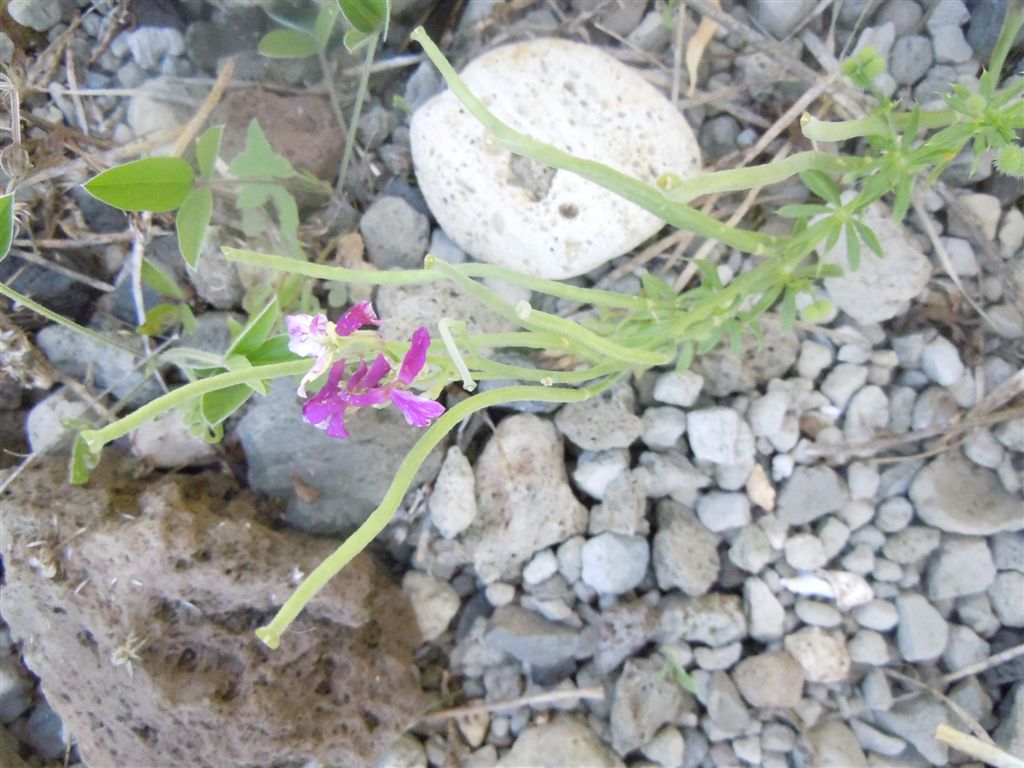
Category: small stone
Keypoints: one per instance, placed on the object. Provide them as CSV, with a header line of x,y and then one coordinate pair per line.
x,y
814,358
534,639
1007,321
767,413
681,388
750,550
713,619
595,471
810,493
167,442
955,496
148,45
863,482
910,60
643,701
602,422
823,657
965,647
1011,434
961,567
772,679
45,425
666,748
817,614
976,612
834,744
1006,595
804,552
765,613
869,647
922,632
541,221
685,553
499,593
912,544
720,511
1008,551
726,709
780,19
950,45
916,721
613,563
434,602
894,515
985,210
941,362
663,427
543,566
565,743
722,657
407,752
880,615
842,382
39,15
452,504
833,535
570,558
395,233
720,435
867,414
876,690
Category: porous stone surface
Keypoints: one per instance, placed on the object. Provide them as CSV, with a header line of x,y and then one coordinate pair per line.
x,y
772,679
566,742
524,500
506,210
182,571
685,552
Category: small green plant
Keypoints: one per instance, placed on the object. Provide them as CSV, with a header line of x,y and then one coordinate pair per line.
x,y
622,334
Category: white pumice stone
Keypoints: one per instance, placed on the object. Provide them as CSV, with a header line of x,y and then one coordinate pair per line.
x,y
507,210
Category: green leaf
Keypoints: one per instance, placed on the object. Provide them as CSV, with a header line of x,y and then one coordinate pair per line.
x,y
218,405
160,318
816,311
83,461
207,149
870,239
159,280
288,44
240,363
820,184
832,237
155,184
192,221
852,247
901,200
324,24
369,16
1009,161
256,331
258,159
398,102
686,354
787,315
355,39
798,211
6,224
273,350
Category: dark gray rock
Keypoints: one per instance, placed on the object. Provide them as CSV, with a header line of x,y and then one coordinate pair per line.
x,y
535,640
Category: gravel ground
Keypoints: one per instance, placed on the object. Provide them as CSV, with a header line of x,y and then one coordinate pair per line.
x,y
826,532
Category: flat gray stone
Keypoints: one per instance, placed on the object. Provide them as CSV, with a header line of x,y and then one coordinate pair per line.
x,y
956,496
810,493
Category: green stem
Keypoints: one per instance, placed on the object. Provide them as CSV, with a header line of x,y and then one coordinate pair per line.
x,y
592,296
821,130
350,140
763,175
489,370
379,518
58,318
1012,23
645,195
97,438
324,272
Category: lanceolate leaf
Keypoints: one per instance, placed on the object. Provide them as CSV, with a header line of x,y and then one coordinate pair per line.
x,y
368,16
325,24
287,44
156,278
220,404
155,184
6,224
83,461
256,331
192,221
207,149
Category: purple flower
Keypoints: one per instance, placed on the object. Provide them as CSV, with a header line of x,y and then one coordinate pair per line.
x,y
310,336
368,385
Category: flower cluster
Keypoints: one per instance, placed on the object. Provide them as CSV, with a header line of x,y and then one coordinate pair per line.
x,y
368,385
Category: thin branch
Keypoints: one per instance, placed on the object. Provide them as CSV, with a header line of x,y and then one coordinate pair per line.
x,y
548,697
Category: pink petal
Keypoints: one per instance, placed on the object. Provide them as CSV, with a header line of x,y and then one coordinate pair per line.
x,y
356,317
357,378
416,357
336,426
418,411
366,399
378,370
306,334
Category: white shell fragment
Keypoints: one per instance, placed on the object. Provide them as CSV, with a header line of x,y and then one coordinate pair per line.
x,y
508,210
848,589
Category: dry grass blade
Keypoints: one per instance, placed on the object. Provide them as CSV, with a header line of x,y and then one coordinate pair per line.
x,y
977,748
697,45
193,126
549,697
953,707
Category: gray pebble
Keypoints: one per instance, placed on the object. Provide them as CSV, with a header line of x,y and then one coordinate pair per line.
x,y
395,233
922,633
613,563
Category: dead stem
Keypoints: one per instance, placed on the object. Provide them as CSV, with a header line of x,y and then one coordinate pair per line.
x,y
976,748
548,697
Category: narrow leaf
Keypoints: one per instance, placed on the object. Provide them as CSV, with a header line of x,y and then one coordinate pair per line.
x,y
6,224
797,211
852,247
207,149
192,221
160,318
159,280
367,16
256,331
287,44
220,404
325,24
83,461
870,238
787,314
820,184
155,184
356,39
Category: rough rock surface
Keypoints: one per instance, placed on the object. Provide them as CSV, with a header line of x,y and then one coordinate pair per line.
x,y
957,496
507,210
565,743
301,128
524,501
180,572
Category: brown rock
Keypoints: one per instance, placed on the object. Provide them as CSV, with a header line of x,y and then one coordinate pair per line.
x,y
302,128
136,604
773,679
